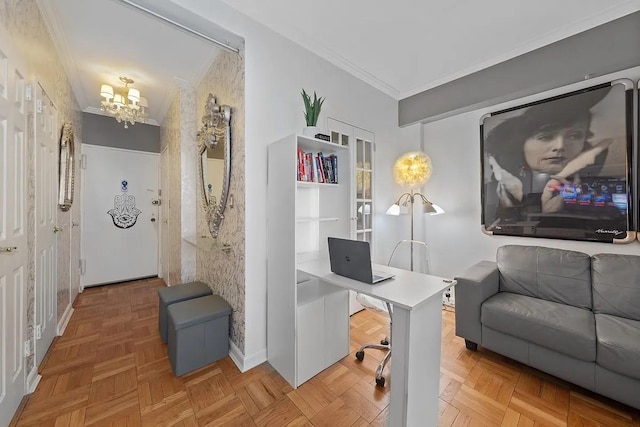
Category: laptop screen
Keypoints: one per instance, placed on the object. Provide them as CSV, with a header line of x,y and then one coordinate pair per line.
x,y
351,258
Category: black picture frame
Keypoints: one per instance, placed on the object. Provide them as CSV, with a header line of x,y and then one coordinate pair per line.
x,y
561,167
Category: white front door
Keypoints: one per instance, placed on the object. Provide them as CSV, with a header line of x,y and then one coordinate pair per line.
x,y
13,235
46,153
119,218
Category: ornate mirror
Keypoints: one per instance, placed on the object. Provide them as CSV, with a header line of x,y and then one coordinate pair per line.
x,y
67,168
214,161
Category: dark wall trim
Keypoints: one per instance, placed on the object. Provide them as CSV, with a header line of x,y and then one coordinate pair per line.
x,y
605,49
107,132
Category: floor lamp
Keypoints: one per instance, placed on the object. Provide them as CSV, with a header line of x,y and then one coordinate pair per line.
x,y
413,169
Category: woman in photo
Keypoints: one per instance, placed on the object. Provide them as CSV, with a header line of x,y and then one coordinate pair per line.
x,y
538,160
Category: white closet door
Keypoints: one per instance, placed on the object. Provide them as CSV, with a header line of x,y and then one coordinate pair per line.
x,y
13,235
46,174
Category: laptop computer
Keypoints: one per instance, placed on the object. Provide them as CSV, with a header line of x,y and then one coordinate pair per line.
x,y
352,259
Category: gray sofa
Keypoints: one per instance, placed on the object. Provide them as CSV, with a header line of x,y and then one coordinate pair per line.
x,y
563,312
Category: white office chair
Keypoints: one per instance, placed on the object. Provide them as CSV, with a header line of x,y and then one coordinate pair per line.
x,y
408,255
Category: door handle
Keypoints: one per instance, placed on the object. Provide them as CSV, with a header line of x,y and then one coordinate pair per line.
x,y
74,224
8,248
56,229
153,220
155,202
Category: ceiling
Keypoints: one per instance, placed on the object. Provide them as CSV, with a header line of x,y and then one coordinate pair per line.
x,y
404,47
401,47
101,40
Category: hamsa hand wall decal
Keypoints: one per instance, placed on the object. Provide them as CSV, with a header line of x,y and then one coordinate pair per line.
x,y
124,213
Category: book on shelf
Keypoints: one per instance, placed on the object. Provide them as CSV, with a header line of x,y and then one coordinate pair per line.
x,y
317,167
320,169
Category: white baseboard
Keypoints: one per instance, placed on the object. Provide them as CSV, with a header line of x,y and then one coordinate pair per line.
x,y
62,324
244,363
32,380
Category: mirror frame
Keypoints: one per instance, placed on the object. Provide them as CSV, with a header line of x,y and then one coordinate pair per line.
x,y
215,129
66,167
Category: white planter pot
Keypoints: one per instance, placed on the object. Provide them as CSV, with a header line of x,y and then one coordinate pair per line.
x,y
310,131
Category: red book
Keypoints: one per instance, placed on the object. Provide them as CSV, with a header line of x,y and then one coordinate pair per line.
x,y
300,165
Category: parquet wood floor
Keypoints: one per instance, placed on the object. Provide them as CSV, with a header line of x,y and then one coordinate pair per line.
x,y
110,368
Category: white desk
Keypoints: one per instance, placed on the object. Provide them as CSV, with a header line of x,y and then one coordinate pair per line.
x,y
416,334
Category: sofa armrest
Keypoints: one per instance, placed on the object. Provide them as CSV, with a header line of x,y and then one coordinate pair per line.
x,y
474,286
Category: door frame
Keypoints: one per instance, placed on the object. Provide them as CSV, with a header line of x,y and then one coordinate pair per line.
x,y
163,212
75,229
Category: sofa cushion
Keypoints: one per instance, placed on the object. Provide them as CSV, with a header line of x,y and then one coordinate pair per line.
x,y
618,344
563,328
616,285
551,274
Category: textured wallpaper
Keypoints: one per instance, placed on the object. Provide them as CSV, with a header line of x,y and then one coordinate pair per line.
x,y
188,173
24,23
177,133
171,196
224,272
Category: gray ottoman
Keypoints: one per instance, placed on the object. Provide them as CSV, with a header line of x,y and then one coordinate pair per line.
x,y
173,294
198,333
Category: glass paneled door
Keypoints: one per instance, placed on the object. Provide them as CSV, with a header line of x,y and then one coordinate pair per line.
x,y
364,189
361,146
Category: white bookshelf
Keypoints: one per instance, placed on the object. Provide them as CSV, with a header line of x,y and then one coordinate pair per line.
x,y
307,320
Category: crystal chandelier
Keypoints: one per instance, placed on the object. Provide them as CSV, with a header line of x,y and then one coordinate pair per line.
x,y
126,106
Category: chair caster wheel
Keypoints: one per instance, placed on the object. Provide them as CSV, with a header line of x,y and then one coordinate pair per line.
x,y
360,355
380,382
384,342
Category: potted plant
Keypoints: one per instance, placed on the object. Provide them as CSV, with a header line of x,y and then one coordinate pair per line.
x,y
311,113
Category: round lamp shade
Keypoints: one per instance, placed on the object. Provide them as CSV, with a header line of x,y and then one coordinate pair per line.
x,y
412,169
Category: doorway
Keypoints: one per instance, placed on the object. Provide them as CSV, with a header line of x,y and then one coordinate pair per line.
x,y
119,215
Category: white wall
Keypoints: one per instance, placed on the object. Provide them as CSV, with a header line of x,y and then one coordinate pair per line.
x,y
276,70
456,238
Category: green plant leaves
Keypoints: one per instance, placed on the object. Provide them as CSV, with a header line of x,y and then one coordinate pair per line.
x,y
312,109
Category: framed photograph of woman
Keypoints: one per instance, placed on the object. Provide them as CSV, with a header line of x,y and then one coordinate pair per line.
x,y
561,167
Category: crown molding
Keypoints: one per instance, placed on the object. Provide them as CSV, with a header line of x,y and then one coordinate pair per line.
x,y
319,49
283,28
62,47
546,39
348,66
183,83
